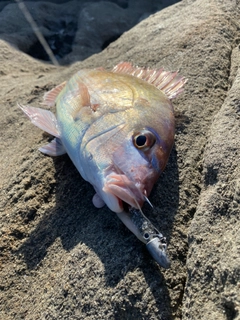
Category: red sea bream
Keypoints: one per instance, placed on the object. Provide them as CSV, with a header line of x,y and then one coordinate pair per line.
x,y
118,129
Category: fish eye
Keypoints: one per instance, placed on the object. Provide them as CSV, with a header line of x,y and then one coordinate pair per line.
x,y
140,140
144,140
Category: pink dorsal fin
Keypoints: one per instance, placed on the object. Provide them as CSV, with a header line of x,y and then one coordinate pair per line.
x,y
49,97
123,67
100,68
171,83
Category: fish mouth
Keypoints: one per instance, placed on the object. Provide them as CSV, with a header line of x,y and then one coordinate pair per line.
x,y
128,193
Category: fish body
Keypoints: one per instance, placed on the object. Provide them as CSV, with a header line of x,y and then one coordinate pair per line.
x,y
118,129
97,133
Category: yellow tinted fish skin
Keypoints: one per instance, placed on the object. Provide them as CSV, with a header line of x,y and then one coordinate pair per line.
x,y
97,131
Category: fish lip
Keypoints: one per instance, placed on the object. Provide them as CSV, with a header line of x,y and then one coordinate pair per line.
x,y
127,192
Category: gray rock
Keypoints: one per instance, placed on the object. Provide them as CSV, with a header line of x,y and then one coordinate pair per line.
x,y
99,24
214,257
74,29
62,258
3,4
15,29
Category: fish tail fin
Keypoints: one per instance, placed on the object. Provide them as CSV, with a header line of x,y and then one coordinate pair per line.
x,y
43,119
171,83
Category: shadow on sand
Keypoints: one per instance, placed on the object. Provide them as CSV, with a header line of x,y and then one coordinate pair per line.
x,y
75,220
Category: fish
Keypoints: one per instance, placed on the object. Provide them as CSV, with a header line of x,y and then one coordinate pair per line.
x,y
118,129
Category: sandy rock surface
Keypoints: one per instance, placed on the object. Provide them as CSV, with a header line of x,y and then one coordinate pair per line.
x,y
60,257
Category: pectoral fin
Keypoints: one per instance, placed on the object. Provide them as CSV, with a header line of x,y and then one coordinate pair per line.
x,y
54,148
98,201
43,119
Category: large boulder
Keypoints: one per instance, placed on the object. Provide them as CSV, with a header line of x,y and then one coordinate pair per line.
x,y
63,259
73,29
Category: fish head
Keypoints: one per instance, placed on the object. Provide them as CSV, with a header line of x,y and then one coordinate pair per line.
x,y
138,161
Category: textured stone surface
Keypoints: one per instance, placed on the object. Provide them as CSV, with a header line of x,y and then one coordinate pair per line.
x,y
74,29
63,259
214,257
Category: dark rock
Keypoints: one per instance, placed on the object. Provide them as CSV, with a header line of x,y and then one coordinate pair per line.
x,y
74,30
